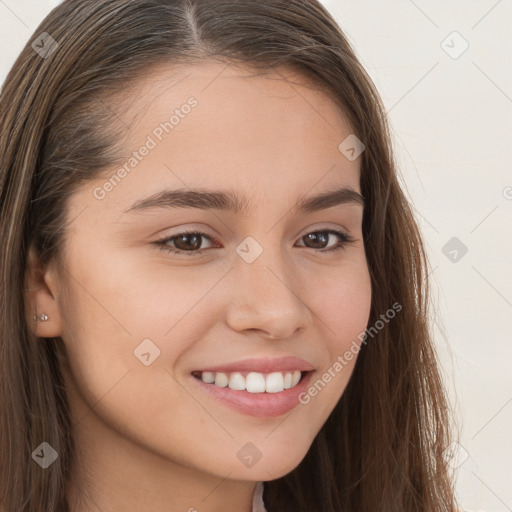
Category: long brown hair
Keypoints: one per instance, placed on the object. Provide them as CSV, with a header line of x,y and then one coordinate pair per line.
x,y
382,447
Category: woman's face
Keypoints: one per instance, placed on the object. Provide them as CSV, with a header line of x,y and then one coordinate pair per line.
x,y
138,320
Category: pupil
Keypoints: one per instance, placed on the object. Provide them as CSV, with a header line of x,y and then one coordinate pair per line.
x,y
316,237
182,241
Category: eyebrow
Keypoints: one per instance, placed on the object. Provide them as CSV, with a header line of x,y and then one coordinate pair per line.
x,y
232,202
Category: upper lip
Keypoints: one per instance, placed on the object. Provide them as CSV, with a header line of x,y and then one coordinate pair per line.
x,y
262,365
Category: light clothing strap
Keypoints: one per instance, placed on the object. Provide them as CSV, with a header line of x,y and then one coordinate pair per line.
x,y
257,500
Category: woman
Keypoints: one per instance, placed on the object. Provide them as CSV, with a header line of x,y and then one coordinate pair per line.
x,y
214,290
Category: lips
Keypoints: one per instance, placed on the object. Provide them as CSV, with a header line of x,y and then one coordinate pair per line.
x,y
261,365
268,392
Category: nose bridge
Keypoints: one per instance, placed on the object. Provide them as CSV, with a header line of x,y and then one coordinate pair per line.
x,y
267,298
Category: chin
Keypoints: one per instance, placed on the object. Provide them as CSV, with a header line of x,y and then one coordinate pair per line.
x,y
271,467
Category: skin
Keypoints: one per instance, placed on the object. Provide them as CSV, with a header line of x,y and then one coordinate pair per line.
x,y
147,439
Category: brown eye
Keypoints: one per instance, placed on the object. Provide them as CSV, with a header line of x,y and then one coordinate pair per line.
x,y
187,243
319,239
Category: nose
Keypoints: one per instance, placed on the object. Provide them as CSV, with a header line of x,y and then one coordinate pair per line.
x,y
266,298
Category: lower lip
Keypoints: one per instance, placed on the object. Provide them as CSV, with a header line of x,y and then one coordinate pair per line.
x,y
263,405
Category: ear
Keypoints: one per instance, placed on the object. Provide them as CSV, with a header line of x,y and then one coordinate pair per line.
x,y
41,297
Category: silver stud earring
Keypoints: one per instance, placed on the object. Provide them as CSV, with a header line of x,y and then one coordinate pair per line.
x,y
43,317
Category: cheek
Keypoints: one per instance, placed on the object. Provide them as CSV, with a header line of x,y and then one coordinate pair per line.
x,y
342,305
110,333
113,325
343,301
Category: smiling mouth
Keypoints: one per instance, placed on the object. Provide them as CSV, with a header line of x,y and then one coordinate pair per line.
x,y
253,382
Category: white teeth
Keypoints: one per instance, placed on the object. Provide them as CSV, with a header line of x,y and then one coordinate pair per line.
x,y
221,380
237,381
208,377
274,382
255,382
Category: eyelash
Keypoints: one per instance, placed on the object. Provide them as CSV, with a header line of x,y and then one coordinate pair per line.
x,y
164,246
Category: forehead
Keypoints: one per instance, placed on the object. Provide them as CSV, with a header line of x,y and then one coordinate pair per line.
x,y
215,81
234,106
219,126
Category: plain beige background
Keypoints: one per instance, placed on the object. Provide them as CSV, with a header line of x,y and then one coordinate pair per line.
x,y
443,70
